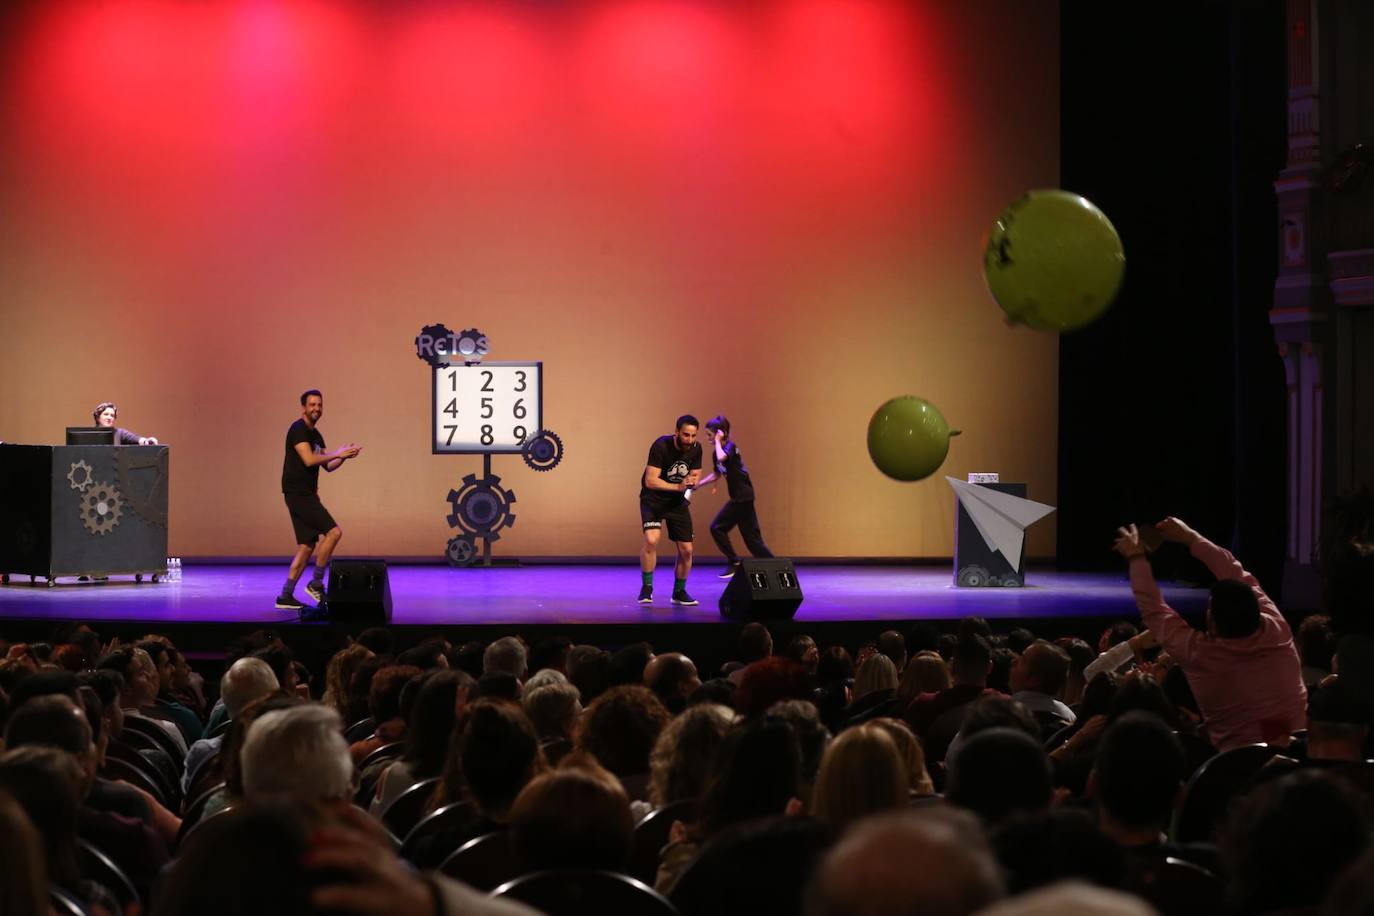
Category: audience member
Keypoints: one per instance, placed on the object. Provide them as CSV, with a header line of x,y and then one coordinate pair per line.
x,y
934,862
1244,669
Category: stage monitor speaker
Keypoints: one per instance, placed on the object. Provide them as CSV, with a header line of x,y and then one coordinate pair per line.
x,y
762,589
359,590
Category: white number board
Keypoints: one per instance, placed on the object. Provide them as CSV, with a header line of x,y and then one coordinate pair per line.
x,y
487,407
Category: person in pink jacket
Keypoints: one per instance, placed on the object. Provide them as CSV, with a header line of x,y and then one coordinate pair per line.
x,y
1244,669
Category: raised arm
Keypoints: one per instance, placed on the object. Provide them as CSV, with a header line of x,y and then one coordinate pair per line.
x,y
1219,561
1170,629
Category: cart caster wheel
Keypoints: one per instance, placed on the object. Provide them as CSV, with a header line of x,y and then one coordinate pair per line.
x,y
155,578
138,577
5,579
51,582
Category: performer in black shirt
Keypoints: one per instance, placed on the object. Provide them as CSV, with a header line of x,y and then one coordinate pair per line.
x,y
673,468
300,481
739,510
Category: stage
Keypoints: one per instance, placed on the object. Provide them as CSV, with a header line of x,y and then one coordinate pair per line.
x,y
582,595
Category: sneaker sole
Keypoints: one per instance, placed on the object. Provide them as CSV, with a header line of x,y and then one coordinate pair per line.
x,y
314,597
692,603
289,607
646,601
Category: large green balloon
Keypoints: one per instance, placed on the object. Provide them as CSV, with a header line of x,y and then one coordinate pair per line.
x,y
908,438
1053,261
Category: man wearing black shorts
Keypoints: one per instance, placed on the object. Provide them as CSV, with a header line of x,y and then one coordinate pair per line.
x,y
300,482
739,509
673,468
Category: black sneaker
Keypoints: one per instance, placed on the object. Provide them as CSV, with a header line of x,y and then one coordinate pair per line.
x,y
316,591
684,599
289,603
730,571
646,594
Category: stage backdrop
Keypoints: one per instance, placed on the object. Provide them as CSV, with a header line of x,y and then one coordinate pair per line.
x,y
771,210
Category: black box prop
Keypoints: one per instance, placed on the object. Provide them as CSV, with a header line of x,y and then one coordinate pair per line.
x,y
762,589
976,564
359,591
83,510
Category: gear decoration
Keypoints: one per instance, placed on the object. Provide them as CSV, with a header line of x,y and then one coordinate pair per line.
x,y
142,500
461,550
472,345
433,332
101,508
974,577
80,476
542,451
481,508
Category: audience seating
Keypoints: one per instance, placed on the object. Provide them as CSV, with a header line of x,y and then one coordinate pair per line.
x,y
1176,887
164,741
115,768
406,809
651,835
1210,790
195,810
360,730
385,752
95,866
450,817
64,904
579,893
484,862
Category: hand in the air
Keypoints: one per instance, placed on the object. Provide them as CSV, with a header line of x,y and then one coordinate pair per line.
x,y
1128,542
1173,529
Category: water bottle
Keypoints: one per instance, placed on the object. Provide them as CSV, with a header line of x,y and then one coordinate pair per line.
x,y
176,569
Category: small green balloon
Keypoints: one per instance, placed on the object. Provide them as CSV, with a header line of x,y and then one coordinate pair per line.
x,y
908,438
1053,261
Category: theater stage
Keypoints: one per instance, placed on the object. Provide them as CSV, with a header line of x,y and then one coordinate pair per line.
x,y
580,595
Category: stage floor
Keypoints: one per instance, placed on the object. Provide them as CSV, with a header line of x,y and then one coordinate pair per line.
x,y
582,595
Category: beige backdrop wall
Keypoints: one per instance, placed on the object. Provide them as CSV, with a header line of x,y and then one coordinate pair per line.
x,y
771,210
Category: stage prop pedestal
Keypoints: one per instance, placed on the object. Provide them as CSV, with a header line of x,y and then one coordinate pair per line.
x,y
989,532
83,510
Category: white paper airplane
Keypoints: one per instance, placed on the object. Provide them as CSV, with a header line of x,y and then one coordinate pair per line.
x,y
1002,519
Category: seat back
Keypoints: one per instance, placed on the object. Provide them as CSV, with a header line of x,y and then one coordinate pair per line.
x,y
406,809
64,903
651,835
115,768
95,866
1210,791
483,862
452,817
1176,888
164,741
385,752
195,810
579,893
129,755
363,728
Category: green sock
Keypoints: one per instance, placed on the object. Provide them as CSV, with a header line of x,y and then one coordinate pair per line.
x,y
647,578
679,585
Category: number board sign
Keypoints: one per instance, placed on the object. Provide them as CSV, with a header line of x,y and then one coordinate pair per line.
x,y
490,407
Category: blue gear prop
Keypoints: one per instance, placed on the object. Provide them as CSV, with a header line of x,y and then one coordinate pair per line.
x,y
481,508
542,451
461,550
435,332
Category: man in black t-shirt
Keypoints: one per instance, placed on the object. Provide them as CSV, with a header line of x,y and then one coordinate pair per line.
x,y
739,509
300,481
664,487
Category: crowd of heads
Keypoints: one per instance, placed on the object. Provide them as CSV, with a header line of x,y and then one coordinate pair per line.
x,y
919,772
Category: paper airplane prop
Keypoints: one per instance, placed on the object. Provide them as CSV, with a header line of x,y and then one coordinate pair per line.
x,y
1002,519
